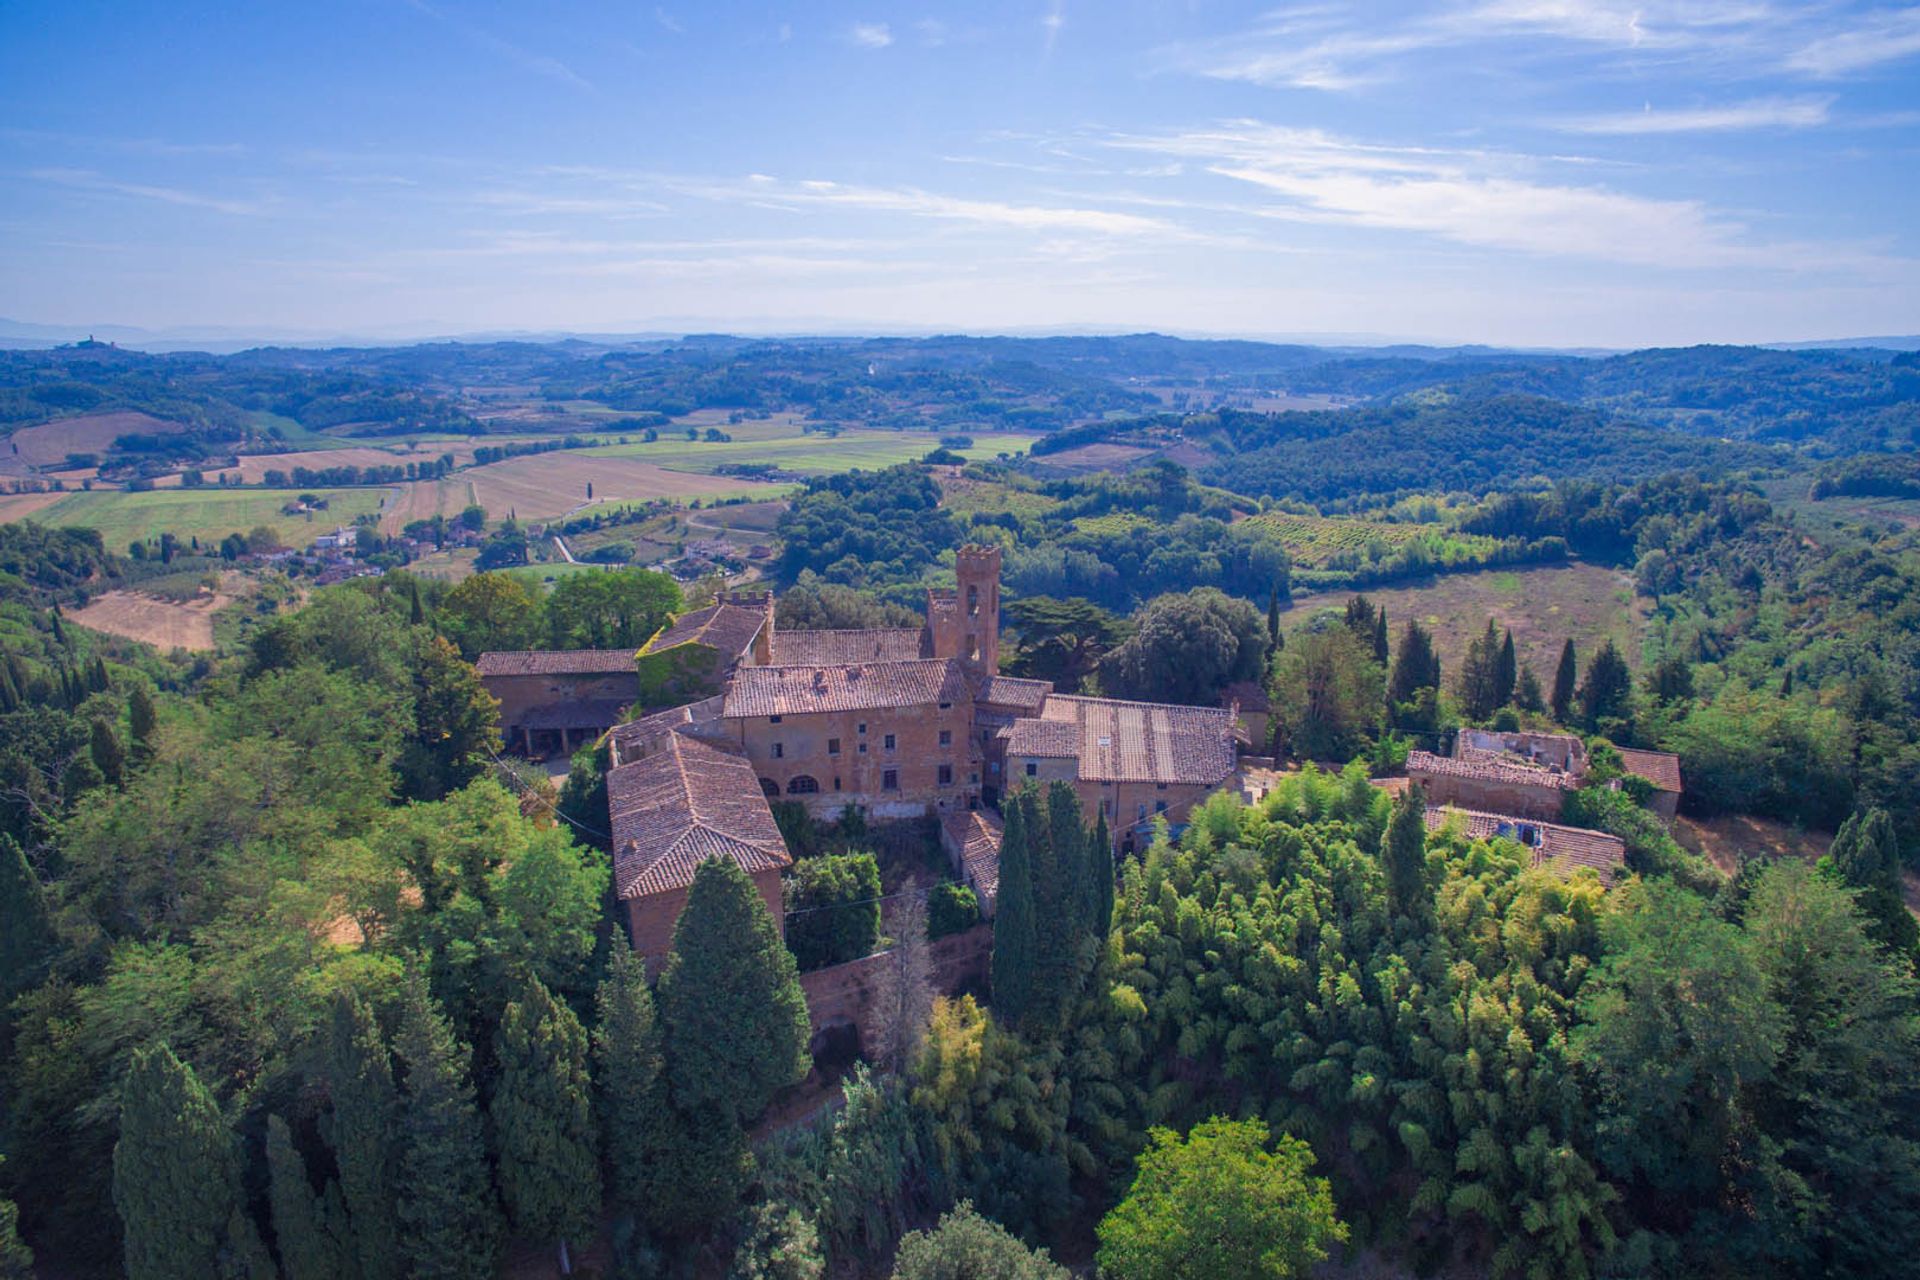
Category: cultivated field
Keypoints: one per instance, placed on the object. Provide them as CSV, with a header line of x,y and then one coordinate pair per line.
x,y
1543,605
22,506
164,624
545,485
254,466
811,454
204,513
51,442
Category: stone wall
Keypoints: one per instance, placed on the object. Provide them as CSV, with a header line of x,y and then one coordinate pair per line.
x,y
1542,803
650,918
842,995
847,757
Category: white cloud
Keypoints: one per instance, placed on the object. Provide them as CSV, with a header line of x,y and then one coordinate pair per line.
x,y
88,180
1054,21
1759,113
1884,37
763,190
870,35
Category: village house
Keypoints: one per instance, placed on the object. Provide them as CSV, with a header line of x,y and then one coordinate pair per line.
x,y
1528,775
1561,848
553,701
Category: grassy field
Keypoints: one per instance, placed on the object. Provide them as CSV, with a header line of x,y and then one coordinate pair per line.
x,y
1315,541
208,514
967,497
811,454
1543,605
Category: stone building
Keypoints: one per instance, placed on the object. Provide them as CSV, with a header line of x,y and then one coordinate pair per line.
x,y
1662,769
1560,848
551,702
901,722
1528,775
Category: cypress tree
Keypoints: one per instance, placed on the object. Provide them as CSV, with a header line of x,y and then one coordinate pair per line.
x,y
1380,637
360,1129
59,628
542,1115
1505,672
1526,693
1865,856
1273,617
16,1260
245,1256
1607,691
1564,680
141,721
108,756
97,676
26,928
1480,675
443,1202
173,1171
1013,918
310,1249
9,692
416,613
1100,878
1403,856
626,1076
1415,666
1060,897
732,1015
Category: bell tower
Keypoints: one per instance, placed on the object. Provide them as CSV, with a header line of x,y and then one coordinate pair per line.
x,y
964,623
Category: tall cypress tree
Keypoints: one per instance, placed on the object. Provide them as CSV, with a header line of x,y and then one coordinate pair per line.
x,y
1403,856
1865,856
244,1256
311,1247
108,756
1100,878
1506,670
1415,665
627,1078
361,1131
542,1116
1273,617
1565,678
26,929
16,1260
444,1204
1380,636
732,1015
174,1171
141,720
1014,924
1479,675
1607,691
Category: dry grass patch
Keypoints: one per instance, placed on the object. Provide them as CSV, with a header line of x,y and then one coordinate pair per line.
x,y
164,624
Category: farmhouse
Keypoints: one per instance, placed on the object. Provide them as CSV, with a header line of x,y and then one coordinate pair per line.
x,y
1528,775
1563,849
552,701
900,722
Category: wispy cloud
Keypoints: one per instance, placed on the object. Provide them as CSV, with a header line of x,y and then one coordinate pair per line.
x,y
1759,113
1488,200
870,35
89,180
1054,21
1881,38
538,63
667,22
763,190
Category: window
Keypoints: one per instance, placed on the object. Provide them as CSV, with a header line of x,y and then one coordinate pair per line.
x,y
946,737
863,728
1159,806
863,748
945,706
888,744
1159,786
836,782
1141,813
802,785
773,719
779,751
890,780
833,746
973,600
946,775
769,786
1033,770
973,779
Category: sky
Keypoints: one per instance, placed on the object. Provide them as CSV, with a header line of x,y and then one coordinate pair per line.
x,y
1518,172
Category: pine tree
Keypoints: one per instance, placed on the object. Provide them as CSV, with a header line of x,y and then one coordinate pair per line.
x,y
1564,680
26,928
141,721
1380,637
361,1131
173,1171
443,1203
732,1015
1014,924
542,1116
1505,672
1607,691
1865,856
108,756
627,1077
310,1249
1403,856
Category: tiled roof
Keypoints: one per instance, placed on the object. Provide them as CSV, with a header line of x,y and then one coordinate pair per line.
x,y
1563,847
1489,767
1661,768
1140,741
787,691
728,628
977,834
680,804
630,739
1047,739
1009,691
555,662
826,648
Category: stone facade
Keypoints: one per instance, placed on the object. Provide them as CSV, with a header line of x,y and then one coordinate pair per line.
x,y
555,701
651,917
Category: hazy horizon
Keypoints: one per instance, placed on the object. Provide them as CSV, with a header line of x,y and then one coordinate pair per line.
x,y
1523,173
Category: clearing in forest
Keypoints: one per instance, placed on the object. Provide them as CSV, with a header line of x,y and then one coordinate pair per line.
x,y
164,624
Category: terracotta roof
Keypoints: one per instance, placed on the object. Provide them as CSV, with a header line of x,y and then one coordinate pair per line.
x,y
555,662
1489,767
728,628
1661,768
680,804
630,739
786,691
1009,691
1046,739
1562,847
1135,741
826,648
977,835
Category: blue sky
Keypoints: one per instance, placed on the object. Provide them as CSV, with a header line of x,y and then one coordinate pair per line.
x,y
1514,171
